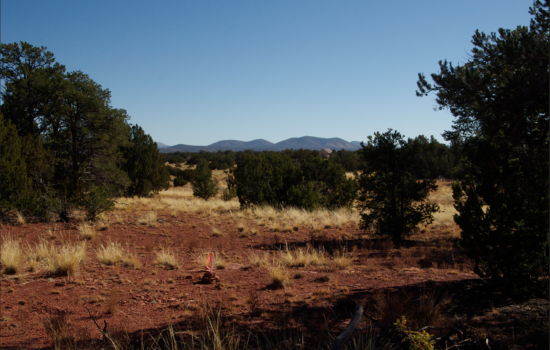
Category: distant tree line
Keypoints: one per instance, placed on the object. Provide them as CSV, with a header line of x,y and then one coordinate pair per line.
x,y
63,146
433,158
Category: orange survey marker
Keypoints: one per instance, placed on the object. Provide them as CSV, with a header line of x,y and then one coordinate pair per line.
x,y
209,263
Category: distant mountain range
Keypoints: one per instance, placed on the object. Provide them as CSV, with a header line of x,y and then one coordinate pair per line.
x,y
305,142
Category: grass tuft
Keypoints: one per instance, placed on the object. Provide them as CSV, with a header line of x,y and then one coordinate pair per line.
x,y
66,261
20,218
86,231
167,258
11,255
149,219
279,278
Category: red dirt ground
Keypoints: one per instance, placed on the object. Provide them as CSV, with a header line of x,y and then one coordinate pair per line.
x,y
151,297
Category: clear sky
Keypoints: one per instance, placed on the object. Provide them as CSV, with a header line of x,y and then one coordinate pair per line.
x,y
196,72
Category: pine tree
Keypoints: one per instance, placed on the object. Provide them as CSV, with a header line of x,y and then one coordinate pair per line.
x,y
15,187
500,101
204,186
144,165
391,198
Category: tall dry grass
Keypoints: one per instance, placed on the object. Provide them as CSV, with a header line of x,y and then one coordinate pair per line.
x,y
86,231
11,255
167,258
113,253
66,260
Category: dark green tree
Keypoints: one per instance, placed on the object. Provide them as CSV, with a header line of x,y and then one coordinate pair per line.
x,y
264,179
500,101
15,187
204,186
33,87
322,184
144,165
393,202
85,137
180,181
299,179
31,96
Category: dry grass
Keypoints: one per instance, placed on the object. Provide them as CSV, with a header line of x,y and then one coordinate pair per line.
x,y
39,252
110,254
149,219
292,219
113,253
217,232
20,218
66,260
167,258
341,261
86,231
258,260
10,255
303,257
279,277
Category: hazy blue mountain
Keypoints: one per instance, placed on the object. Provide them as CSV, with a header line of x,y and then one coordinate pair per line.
x,y
305,142
186,148
161,145
356,143
310,142
235,145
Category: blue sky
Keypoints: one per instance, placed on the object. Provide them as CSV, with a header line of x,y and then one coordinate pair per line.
x,y
196,72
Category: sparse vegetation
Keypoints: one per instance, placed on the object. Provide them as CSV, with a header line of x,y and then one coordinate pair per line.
x,y
10,255
66,259
168,258
279,277
86,231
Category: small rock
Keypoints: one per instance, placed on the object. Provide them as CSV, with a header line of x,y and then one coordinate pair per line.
x,y
154,302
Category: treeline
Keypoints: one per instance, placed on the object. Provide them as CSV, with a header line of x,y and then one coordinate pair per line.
x,y
433,158
63,146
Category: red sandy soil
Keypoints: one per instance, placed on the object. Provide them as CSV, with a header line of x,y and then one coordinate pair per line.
x,y
152,297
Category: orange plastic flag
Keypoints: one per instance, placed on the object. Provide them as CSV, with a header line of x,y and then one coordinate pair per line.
x,y
209,262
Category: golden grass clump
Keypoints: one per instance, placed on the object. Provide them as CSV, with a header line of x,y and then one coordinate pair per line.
x,y
113,253
20,218
341,261
292,219
66,260
11,255
86,231
303,257
167,258
149,219
217,232
110,254
40,251
258,260
279,278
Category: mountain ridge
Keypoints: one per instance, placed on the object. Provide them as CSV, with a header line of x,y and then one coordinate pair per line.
x,y
304,142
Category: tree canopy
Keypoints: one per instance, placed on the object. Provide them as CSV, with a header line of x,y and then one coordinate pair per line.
x,y
67,134
392,201
499,99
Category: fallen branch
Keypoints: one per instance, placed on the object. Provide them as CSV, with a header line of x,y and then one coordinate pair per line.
x,y
352,326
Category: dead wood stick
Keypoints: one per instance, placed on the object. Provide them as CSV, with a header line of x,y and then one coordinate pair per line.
x,y
104,331
343,337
